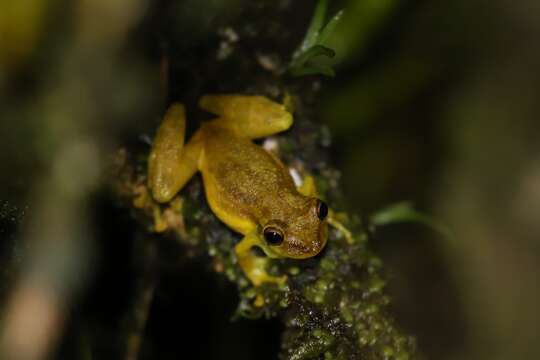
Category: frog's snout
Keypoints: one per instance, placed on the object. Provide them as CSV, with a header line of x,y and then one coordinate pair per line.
x,y
298,249
323,238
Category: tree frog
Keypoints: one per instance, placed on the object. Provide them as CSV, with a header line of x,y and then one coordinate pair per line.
x,y
247,188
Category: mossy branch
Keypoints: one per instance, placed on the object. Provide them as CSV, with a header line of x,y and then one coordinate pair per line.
x,y
333,306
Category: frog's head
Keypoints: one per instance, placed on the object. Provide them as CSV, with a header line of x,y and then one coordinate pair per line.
x,y
300,236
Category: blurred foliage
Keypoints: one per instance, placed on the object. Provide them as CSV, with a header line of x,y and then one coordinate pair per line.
x,y
21,25
434,102
404,212
317,33
361,22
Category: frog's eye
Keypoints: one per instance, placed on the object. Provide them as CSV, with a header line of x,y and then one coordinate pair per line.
x,y
322,210
273,236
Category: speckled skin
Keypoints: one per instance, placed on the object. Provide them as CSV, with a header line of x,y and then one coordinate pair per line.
x,y
255,189
247,188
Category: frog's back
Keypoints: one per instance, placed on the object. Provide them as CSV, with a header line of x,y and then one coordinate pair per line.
x,y
243,182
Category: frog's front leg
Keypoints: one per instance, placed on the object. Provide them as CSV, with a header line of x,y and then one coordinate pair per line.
x,y
171,164
254,266
248,116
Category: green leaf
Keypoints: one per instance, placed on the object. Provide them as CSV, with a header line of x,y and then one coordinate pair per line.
x,y
313,70
329,28
312,47
404,212
312,34
300,67
314,51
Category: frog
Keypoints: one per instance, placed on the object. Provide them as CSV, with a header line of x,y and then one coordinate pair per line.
x,y
247,187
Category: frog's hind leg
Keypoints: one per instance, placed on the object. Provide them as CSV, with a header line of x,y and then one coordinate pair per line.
x,y
171,164
248,116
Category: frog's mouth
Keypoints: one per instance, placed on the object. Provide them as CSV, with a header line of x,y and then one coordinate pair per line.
x,y
300,250
303,252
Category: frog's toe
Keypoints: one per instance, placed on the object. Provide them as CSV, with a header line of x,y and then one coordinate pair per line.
x,y
268,279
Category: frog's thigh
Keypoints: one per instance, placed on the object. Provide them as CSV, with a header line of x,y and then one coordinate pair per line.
x,y
253,266
171,164
249,116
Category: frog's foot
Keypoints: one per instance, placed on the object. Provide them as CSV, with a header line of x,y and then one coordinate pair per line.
x,y
254,266
255,269
160,224
169,217
336,224
144,201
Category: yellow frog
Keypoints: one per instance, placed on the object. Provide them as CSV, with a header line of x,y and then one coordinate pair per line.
x,y
247,188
